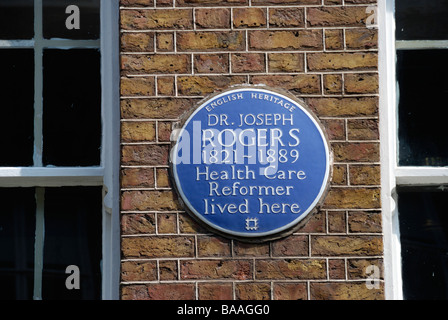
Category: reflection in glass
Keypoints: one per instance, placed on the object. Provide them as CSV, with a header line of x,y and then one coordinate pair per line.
x,y
55,17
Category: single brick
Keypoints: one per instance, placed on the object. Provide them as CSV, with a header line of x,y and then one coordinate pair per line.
x,y
356,152
290,291
213,246
243,249
286,18
357,268
211,41
215,291
161,108
248,62
339,176
163,180
159,291
149,200
297,269
345,291
300,83
363,129
165,41
165,86
210,3
286,62
353,198
336,222
151,19
136,3
157,247
336,268
253,291
365,175
216,269
334,39
290,246
346,245
333,84
285,40
168,270
211,63
342,61
362,38
138,223
156,63
166,223
249,17
212,18
137,177
203,85
137,42
139,270
144,154
361,83
365,221
138,131
141,86
337,16
334,128
344,107
285,2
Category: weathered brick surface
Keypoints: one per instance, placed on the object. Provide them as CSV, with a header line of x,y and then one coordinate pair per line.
x,y
176,52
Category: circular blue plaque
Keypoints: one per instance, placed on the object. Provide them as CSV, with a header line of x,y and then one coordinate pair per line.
x,y
250,163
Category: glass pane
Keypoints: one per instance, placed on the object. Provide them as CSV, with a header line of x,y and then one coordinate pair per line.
x,y
423,90
421,19
72,107
55,18
17,231
17,107
72,237
16,19
424,242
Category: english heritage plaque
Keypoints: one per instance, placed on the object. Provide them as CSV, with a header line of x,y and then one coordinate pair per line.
x,y
250,163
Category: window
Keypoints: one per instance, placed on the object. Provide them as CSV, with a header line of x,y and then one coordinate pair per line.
x,y
415,148
59,158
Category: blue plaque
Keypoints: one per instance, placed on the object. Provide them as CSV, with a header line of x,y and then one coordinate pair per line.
x,y
250,163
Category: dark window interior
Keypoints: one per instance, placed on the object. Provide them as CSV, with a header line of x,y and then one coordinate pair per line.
x,y
16,19
72,107
424,242
423,89
17,107
421,19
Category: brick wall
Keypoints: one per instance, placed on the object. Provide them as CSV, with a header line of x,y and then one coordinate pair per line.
x,y
173,55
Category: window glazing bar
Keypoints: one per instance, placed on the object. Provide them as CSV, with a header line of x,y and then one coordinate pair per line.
x,y
421,44
39,244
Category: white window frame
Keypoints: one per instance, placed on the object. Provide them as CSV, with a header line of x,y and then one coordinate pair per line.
x,y
107,173
393,175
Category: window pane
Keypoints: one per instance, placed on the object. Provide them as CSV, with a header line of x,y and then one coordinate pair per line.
x,y
423,92
72,237
72,107
55,17
424,243
421,20
17,231
17,107
16,19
